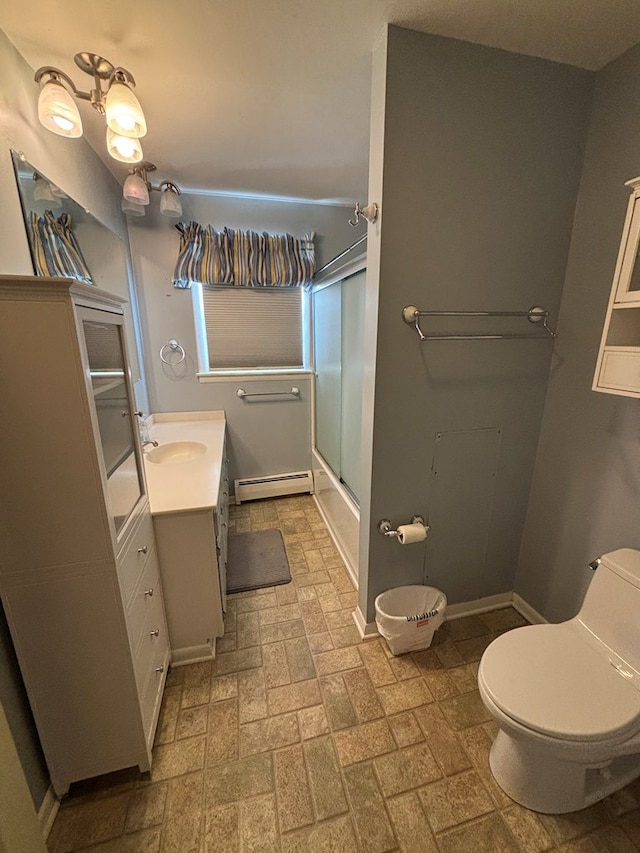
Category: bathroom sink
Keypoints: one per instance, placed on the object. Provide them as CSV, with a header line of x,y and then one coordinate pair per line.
x,y
175,452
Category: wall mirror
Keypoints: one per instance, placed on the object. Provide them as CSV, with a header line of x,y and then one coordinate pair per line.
x,y
103,251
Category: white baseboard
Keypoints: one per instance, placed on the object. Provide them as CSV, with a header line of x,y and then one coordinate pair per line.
x,y
367,630
527,611
480,605
48,811
465,608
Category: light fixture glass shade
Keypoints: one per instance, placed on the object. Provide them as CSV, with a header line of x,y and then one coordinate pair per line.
x,y
123,112
123,148
135,190
170,204
131,208
58,111
43,192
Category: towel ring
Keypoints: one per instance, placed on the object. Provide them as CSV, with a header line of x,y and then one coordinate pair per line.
x,y
173,346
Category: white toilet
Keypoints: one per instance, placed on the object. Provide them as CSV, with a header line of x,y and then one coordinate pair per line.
x,y
567,697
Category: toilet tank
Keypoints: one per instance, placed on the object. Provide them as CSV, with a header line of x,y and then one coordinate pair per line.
x,y
611,607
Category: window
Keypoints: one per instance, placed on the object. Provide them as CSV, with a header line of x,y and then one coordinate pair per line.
x,y
244,328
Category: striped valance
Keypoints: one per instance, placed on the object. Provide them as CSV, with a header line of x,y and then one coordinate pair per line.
x,y
55,249
242,258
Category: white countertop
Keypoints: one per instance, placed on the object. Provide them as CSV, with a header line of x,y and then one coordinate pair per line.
x,y
192,485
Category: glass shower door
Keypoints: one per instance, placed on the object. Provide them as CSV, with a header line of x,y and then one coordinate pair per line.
x,y
328,361
338,320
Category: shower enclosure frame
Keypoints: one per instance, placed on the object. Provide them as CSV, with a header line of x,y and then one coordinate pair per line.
x,y
335,501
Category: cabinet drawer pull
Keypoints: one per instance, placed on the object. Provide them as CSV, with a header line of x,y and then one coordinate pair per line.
x,y
154,633
143,550
149,591
160,668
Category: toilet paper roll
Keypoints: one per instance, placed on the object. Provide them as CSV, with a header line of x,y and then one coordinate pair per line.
x,y
410,533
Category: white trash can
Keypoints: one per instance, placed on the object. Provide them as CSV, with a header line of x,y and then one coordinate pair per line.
x,y
408,616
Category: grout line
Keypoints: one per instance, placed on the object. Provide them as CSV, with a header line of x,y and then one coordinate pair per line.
x,y
291,510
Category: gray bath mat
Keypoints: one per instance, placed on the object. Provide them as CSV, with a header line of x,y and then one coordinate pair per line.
x,y
256,560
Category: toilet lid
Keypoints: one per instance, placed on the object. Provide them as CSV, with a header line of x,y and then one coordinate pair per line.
x,y
550,680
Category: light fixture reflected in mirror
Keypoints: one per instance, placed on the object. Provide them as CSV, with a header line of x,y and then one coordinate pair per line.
x,y
137,188
59,113
131,208
43,192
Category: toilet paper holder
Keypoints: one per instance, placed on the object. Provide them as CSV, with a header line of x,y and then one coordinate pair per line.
x,y
384,525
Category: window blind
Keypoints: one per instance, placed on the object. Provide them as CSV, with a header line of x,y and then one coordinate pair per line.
x,y
253,327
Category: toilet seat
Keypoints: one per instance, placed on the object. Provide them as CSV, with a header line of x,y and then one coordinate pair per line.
x,y
548,679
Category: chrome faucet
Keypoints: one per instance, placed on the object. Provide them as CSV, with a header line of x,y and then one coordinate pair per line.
x,y
149,441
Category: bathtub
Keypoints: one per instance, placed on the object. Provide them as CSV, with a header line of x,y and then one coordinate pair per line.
x,y
339,512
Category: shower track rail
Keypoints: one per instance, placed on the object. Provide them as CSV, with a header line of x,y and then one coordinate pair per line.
x,y
411,315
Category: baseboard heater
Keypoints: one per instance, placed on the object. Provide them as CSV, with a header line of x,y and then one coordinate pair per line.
x,y
294,483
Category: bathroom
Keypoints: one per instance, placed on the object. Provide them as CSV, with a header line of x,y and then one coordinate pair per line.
x,y
546,170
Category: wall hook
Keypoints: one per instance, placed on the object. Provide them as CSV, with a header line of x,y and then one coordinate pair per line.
x,y
370,213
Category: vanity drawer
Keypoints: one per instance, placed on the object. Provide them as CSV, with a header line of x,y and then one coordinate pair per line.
x,y
152,641
134,556
146,599
151,693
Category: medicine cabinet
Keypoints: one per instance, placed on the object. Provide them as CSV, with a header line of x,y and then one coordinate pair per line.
x,y
618,365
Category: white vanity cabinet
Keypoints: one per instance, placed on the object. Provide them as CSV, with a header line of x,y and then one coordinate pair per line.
x,y
190,507
79,575
618,365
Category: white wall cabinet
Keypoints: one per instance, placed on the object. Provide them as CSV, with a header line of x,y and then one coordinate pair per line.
x,y
79,574
618,365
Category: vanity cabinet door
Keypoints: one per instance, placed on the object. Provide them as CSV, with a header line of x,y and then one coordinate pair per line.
x,y
103,337
191,587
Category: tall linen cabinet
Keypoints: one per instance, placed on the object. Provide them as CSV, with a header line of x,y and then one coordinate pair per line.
x,y
79,576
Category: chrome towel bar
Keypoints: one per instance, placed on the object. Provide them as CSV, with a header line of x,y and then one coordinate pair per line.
x,y
294,392
411,315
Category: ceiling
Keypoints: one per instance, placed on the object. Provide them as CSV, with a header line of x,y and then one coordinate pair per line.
x,y
271,97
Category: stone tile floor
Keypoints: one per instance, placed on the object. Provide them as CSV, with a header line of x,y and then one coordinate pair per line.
x,y
299,737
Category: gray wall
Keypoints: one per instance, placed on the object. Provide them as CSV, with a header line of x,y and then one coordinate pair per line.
x,y
266,437
477,160
586,487
74,167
